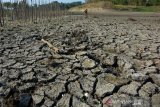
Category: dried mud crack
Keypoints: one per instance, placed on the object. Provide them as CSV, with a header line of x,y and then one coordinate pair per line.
x,y
100,61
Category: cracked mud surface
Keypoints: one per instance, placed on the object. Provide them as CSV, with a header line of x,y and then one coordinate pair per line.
x,y
102,61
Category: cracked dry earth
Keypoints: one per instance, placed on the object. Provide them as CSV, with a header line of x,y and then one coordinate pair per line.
x,y
103,61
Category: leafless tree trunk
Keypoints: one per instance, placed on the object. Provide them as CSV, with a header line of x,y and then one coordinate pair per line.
x,y
32,9
11,11
36,10
24,9
15,8
39,9
1,14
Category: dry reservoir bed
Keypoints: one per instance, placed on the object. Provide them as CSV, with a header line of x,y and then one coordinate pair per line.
x,y
101,61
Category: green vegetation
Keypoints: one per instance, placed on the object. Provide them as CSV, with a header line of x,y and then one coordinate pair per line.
x,y
130,2
54,4
126,5
137,8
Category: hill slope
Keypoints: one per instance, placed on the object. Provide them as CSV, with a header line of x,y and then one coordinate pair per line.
x,y
103,6
97,6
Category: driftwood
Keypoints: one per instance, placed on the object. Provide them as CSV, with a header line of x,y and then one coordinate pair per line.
x,y
54,49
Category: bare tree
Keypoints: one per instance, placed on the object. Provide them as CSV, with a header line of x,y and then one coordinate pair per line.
x,y
1,14
30,10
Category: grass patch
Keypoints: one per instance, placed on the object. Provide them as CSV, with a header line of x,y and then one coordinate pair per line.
x,y
137,8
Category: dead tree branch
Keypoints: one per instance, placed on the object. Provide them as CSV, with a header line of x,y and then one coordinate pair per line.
x,y
54,49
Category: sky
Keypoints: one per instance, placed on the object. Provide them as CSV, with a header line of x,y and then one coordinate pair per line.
x,y
64,1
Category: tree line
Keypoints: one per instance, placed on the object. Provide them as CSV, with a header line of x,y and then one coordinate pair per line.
x,y
33,10
131,2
